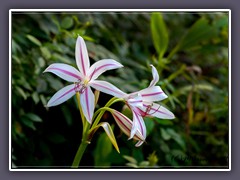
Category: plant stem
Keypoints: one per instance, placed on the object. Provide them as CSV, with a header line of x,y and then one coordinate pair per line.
x,y
80,108
84,143
79,153
101,111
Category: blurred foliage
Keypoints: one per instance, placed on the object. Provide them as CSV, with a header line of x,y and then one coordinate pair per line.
x,y
190,51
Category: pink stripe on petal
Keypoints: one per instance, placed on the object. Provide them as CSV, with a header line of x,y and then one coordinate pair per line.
x,y
82,62
81,55
155,76
154,109
152,94
98,69
101,66
107,88
66,72
139,123
87,101
120,121
159,111
125,125
62,95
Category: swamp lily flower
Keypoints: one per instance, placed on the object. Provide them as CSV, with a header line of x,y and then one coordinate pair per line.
x,y
82,79
142,104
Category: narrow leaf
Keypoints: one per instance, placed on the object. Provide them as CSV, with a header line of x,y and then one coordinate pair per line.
x,y
34,117
34,40
159,33
201,30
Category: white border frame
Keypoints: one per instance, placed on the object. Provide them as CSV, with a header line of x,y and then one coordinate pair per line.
x,y
116,10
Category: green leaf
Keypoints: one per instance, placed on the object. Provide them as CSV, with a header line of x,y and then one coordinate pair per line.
x,y
130,159
33,117
21,92
165,134
200,31
67,23
45,52
132,165
149,125
102,151
43,100
159,33
163,121
60,57
35,97
28,123
176,137
164,146
34,40
143,164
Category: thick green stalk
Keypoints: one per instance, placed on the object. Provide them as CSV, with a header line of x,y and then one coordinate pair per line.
x,y
80,109
84,143
80,153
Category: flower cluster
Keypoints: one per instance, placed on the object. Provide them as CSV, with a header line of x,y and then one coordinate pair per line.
x,y
141,102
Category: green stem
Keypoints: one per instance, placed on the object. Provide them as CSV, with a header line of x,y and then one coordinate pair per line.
x,y
80,109
80,153
102,110
174,51
84,143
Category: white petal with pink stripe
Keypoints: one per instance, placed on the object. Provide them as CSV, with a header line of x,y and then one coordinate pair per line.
x,y
62,95
138,124
153,93
65,72
157,110
125,124
107,88
155,76
87,100
101,66
81,55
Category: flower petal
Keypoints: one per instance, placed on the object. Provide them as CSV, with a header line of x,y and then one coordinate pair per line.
x,y
157,111
155,76
81,56
138,124
87,103
125,124
107,88
135,100
65,72
101,66
153,93
62,95
139,143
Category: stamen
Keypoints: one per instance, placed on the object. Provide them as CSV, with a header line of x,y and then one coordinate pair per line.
x,y
80,87
149,109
